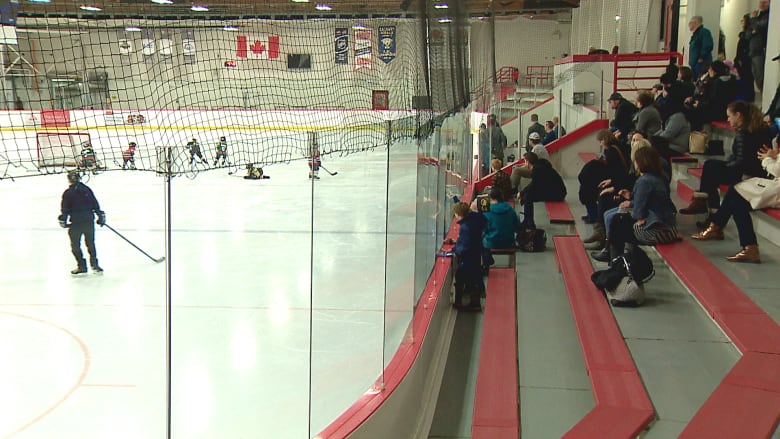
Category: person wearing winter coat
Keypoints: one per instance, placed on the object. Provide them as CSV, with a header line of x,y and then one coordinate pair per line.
x,y
546,185
677,131
753,193
469,249
502,225
751,134
647,119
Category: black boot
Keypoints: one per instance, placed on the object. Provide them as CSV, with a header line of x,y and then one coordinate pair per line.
x,y
95,267
601,256
82,268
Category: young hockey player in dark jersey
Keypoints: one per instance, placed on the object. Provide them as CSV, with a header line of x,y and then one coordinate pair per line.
x,y
194,148
221,151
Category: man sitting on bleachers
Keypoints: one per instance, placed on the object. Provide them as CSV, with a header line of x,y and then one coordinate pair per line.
x,y
546,185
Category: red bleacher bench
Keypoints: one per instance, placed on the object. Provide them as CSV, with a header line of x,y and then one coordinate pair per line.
x,y
773,212
747,402
559,212
684,159
623,408
496,412
722,124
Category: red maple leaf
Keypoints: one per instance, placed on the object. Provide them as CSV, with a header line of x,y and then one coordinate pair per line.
x,y
257,47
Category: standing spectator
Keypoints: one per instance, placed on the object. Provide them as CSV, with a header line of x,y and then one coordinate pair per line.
x,y
535,127
497,138
128,156
744,63
559,130
647,119
759,27
79,205
468,249
484,151
751,134
18,105
550,133
546,185
701,45
623,122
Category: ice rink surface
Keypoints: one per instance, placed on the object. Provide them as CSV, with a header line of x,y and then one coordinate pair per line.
x,y
283,312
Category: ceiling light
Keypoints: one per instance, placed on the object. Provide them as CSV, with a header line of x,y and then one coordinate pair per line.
x,y
441,6
133,29
39,1
230,28
323,7
90,8
617,17
199,8
445,20
162,2
359,27
300,1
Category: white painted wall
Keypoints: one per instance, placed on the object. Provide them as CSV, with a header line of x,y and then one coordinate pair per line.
x,y
772,71
522,42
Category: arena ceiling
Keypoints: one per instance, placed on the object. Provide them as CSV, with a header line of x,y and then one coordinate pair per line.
x,y
227,9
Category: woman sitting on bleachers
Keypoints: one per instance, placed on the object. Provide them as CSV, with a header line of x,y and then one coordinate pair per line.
x,y
612,165
740,200
750,134
652,214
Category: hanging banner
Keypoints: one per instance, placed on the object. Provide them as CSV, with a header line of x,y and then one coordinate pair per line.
x,y
262,47
188,45
147,45
9,9
342,45
363,49
386,43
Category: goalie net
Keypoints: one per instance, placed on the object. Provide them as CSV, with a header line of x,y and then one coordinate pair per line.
x,y
60,149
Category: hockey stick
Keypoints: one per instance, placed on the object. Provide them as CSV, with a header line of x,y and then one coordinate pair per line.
x,y
158,260
326,170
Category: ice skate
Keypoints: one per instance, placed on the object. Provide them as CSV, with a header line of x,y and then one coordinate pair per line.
x,y
95,267
81,269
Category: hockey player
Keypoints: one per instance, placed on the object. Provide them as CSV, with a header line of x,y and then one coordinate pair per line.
x,y
128,156
88,160
194,148
221,151
253,173
79,205
315,161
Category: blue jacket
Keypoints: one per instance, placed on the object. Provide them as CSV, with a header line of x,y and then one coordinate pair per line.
x,y
652,201
502,222
79,203
701,46
469,243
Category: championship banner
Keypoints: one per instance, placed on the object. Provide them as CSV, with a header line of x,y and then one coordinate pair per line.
x,y
387,43
342,45
262,47
188,46
147,45
363,49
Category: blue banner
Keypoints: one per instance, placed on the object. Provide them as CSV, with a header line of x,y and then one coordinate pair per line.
x,y
387,43
342,45
8,11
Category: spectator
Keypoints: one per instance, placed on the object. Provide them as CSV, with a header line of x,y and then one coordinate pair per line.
x,y
652,218
759,27
701,45
524,170
501,180
613,165
550,133
546,185
623,122
710,105
559,130
773,111
738,203
744,62
18,105
497,138
468,249
535,127
484,151
677,132
675,93
647,119
502,224
750,135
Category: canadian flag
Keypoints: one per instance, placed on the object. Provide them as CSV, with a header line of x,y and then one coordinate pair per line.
x,y
265,47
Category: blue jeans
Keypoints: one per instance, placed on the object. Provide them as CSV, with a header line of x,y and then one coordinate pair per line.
x,y
528,215
608,215
734,205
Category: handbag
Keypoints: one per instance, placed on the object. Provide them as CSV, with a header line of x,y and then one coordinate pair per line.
x,y
697,142
760,192
532,240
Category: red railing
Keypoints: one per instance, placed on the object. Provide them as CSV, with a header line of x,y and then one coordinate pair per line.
x,y
651,66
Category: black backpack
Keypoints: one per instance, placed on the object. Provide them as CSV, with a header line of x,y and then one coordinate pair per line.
x,y
532,240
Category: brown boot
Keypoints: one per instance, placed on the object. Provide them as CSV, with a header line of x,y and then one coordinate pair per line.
x,y
713,231
599,234
698,204
748,254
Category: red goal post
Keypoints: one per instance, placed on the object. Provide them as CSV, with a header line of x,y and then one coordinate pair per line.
x,y
60,148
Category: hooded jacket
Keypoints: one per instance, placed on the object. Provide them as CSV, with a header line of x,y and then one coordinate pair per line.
x,y
502,222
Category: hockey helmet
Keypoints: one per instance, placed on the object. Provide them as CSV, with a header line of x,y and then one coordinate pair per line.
x,y
222,138
74,177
